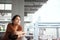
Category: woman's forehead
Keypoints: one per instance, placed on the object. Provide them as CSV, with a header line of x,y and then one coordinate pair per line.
x,y
17,18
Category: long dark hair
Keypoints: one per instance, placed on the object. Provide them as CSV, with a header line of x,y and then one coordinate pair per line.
x,y
14,18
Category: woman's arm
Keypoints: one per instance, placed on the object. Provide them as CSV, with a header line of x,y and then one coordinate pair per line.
x,y
20,33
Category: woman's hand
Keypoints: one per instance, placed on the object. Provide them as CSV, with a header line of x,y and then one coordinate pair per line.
x,y
20,33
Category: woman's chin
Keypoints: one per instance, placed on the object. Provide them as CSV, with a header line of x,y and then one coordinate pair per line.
x,y
18,24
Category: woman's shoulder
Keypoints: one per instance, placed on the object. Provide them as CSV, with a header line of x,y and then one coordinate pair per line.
x,y
20,25
9,24
20,28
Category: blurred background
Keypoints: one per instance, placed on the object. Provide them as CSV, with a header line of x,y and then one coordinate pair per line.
x,y
40,18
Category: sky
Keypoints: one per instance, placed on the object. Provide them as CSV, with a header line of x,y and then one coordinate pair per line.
x,y
49,12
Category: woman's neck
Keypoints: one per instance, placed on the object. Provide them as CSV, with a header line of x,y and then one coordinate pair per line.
x,y
14,24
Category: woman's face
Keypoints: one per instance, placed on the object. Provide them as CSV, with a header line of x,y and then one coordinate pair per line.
x,y
17,21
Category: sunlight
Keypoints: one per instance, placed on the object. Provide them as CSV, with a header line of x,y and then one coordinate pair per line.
x,y
49,12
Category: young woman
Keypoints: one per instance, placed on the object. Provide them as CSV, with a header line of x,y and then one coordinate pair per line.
x,y
14,29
